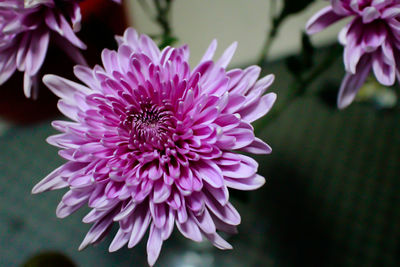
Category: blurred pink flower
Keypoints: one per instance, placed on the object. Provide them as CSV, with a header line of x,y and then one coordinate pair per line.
x,y
371,40
26,27
154,143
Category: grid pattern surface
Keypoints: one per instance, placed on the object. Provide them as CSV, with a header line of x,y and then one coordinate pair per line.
x,y
331,197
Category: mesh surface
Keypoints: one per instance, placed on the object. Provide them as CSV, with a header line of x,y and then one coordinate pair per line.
x,y
331,197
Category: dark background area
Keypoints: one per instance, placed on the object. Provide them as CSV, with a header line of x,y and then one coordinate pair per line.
x,y
331,197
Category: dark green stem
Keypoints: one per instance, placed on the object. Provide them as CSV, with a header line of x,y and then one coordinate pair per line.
x,y
276,23
163,8
298,88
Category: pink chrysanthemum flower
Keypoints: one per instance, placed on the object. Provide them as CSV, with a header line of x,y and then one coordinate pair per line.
x,y
371,40
26,28
154,143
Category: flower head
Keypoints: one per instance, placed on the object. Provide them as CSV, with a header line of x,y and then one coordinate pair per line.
x,y
371,40
26,27
153,143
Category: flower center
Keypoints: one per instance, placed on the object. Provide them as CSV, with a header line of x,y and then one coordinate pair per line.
x,y
149,125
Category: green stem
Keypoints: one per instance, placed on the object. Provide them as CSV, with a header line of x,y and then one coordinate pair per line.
x,y
163,19
146,8
298,88
273,31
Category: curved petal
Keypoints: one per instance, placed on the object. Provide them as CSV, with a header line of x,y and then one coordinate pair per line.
x,y
64,88
322,19
384,73
352,82
154,244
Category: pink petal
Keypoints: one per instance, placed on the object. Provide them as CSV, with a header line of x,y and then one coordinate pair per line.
x,y
225,213
7,67
226,56
352,82
22,51
69,34
55,179
210,172
94,215
251,183
384,73
218,241
154,244
85,74
258,109
208,55
322,19
243,137
64,210
369,14
141,220
126,211
64,88
37,51
190,229
169,225
338,7
96,232
161,192
158,213
150,48
257,147
120,239
205,222
373,37
391,12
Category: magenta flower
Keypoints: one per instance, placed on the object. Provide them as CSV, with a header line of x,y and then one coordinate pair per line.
x,y
371,40
154,143
26,29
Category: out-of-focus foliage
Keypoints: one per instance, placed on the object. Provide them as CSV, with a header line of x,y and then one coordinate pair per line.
x,y
299,64
373,92
292,7
49,259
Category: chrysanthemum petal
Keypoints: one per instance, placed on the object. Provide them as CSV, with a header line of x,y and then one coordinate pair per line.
x,y
384,73
218,241
205,222
208,55
258,109
226,56
96,232
225,213
190,229
322,19
51,182
257,147
141,221
373,33
210,173
64,88
251,183
154,244
120,240
37,51
155,144
351,83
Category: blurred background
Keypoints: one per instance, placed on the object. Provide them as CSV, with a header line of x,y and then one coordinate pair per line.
x,y
333,179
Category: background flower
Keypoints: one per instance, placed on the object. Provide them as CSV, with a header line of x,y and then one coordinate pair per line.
x,y
26,29
153,143
371,41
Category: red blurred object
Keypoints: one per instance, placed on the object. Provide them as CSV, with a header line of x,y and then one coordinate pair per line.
x,y
92,7
101,21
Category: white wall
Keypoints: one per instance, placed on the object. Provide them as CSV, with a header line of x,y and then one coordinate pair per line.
x,y
197,22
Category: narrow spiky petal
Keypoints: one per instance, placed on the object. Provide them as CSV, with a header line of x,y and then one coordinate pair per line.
x,y
154,144
371,40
